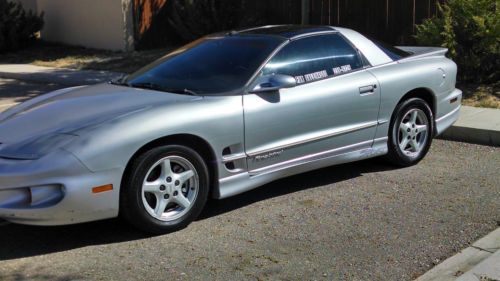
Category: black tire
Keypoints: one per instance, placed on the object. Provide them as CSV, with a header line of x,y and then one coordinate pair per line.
x,y
396,155
131,204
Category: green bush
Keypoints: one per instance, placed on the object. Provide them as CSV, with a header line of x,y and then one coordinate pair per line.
x,y
192,19
17,27
470,29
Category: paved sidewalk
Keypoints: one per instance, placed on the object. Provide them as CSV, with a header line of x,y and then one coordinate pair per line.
x,y
481,261
476,125
61,76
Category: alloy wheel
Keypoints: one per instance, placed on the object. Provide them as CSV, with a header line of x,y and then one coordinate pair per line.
x,y
413,130
170,188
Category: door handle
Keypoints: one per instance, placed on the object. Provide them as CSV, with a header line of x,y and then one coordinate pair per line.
x,y
367,89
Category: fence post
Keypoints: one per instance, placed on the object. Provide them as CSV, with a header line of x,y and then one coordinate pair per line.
x,y
306,11
128,25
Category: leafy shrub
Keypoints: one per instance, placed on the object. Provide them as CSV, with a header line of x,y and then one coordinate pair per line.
x,y
192,19
17,27
470,29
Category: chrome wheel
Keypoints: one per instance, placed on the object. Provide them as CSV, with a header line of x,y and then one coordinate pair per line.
x,y
170,188
413,130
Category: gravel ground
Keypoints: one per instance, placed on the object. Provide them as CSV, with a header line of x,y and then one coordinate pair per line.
x,y
359,221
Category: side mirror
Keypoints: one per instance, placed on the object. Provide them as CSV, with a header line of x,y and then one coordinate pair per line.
x,y
273,82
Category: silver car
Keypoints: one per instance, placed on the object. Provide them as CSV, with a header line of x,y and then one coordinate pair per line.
x,y
218,117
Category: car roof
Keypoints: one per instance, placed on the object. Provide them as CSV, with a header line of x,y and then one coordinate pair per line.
x,y
285,31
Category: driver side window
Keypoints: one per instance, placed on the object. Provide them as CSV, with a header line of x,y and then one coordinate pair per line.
x,y
314,58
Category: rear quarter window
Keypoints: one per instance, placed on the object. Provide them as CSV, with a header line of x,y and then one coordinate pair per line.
x,y
393,52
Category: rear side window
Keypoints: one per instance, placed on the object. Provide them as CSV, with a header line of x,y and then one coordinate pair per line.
x,y
314,58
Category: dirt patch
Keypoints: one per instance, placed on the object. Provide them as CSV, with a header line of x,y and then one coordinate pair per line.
x,y
481,95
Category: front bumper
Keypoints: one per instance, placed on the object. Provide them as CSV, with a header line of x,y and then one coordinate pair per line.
x,y
55,190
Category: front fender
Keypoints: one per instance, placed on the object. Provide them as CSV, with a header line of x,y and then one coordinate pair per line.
x,y
218,120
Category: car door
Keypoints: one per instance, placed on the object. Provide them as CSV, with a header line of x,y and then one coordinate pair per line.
x,y
332,109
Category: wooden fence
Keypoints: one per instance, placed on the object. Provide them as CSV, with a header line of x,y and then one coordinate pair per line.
x,y
275,11
392,21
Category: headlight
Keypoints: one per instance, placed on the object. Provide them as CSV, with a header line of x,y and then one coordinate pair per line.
x,y
35,147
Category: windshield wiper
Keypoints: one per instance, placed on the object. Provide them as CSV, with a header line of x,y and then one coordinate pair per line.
x,y
147,85
157,87
120,81
190,92
182,91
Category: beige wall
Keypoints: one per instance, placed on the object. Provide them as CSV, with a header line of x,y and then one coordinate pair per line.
x,y
91,23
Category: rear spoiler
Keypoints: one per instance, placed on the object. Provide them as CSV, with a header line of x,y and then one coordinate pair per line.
x,y
422,52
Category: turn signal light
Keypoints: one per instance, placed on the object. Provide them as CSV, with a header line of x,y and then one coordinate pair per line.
x,y
102,188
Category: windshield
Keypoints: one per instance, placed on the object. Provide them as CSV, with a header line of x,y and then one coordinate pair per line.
x,y
208,65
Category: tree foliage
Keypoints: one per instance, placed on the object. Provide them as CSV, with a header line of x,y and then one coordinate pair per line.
x,y
470,29
17,27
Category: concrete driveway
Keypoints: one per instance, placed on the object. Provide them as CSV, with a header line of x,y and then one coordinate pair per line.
x,y
15,91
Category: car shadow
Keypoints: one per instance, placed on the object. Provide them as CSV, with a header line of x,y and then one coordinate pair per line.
x,y
296,183
20,241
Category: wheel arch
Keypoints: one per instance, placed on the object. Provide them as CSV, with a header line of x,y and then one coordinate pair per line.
x,y
194,142
424,93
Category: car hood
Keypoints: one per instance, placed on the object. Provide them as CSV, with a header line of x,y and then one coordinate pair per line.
x,y
69,110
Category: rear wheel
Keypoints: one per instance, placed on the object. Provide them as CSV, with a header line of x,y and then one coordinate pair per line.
x,y
166,189
410,134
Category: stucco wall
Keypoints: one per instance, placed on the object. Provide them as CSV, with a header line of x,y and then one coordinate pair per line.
x,y
90,23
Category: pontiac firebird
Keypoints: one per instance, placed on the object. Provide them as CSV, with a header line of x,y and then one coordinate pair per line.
x,y
220,116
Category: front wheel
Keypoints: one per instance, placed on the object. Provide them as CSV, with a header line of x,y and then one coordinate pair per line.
x,y
410,134
166,189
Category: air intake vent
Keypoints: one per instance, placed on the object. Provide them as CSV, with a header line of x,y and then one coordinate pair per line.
x,y
233,158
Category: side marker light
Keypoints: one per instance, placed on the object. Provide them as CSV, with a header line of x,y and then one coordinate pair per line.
x,y
102,188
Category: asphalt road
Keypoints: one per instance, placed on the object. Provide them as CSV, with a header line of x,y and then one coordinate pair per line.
x,y
358,221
